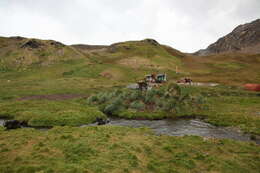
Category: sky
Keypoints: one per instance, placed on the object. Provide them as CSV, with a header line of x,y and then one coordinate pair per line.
x,y
187,25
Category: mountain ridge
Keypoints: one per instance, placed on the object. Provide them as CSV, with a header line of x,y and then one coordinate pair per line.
x,y
244,38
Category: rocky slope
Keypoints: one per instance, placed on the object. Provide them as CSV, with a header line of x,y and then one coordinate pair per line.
x,y
244,38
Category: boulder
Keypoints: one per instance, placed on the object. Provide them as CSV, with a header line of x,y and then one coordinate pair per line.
x,y
151,41
12,124
34,44
101,121
56,44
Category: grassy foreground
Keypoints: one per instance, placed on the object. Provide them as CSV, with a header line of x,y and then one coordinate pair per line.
x,y
120,149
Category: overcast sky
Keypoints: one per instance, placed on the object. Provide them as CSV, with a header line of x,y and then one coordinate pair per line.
x,y
187,25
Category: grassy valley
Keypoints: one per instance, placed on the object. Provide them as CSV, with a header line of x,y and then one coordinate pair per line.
x,y
47,83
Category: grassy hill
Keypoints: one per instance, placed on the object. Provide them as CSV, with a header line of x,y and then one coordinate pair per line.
x,y
19,53
32,66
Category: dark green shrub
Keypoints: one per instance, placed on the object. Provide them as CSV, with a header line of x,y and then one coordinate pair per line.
x,y
135,95
114,107
150,97
160,92
117,92
92,99
102,98
111,109
159,103
125,94
138,105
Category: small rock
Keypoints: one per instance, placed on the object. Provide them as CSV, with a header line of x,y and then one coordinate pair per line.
x,y
102,121
32,44
12,124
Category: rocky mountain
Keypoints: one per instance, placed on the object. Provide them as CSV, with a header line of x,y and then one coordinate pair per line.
x,y
244,38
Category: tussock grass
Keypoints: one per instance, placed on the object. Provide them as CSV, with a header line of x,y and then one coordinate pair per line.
x,y
168,101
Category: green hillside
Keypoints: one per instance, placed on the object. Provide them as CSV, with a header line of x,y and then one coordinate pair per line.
x,y
229,69
46,67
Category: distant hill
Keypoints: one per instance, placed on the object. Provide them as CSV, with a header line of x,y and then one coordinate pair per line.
x,y
243,39
114,47
146,54
16,52
87,47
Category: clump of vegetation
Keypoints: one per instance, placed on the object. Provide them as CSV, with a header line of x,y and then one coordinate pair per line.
x,y
151,104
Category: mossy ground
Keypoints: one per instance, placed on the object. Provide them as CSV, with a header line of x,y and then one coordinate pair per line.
x,y
120,149
46,113
236,111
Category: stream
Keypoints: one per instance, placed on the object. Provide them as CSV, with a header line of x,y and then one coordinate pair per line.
x,y
183,127
180,127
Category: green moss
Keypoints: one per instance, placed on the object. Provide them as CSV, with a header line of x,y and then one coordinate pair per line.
x,y
50,113
142,115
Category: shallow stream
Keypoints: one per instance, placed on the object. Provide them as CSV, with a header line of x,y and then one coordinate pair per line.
x,y
180,127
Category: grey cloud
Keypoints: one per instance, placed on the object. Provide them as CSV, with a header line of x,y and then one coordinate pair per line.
x,y
186,25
